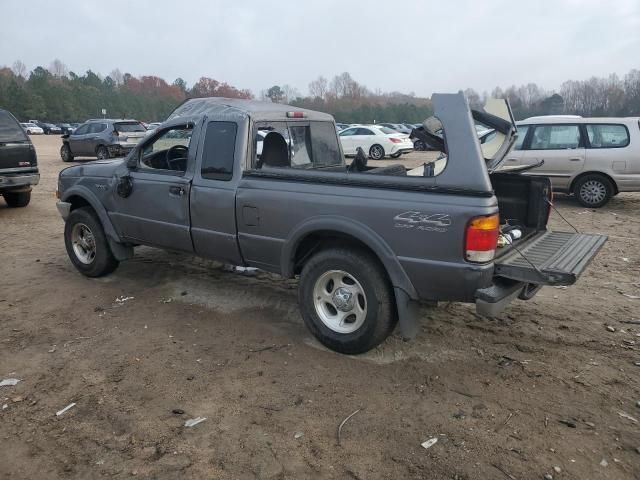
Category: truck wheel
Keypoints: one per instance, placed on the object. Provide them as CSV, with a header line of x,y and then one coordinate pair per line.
x,y
87,245
346,300
65,153
376,152
17,199
102,153
593,191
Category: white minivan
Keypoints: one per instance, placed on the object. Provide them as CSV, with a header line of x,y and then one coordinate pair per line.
x,y
593,158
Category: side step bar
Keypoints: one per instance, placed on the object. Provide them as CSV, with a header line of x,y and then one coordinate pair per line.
x,y
550,258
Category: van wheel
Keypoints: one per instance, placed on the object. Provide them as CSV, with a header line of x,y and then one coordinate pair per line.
x,y
376,152
102,153
346,300
65,153
87,245
17,199
593,191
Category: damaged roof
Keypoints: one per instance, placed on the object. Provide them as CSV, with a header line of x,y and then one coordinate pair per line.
x,y
235,108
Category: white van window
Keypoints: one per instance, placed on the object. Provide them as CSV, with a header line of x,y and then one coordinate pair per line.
x,y
608,136
555,137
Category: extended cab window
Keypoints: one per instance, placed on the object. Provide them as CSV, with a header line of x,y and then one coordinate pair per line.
x,y
305,145
10,130
555,137
169,151
607,136
219,150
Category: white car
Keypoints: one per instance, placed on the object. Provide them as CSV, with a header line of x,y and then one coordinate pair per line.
x,y
375,140
32,128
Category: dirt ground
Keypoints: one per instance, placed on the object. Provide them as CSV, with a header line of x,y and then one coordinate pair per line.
x,y
168,338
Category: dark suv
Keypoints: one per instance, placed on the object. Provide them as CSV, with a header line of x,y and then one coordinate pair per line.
x,y
18,162
102,138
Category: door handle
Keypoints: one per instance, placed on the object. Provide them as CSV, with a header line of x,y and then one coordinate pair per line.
x,y
174,190
575,159
511,160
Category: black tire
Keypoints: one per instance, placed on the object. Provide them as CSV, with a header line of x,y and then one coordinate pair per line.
x,y
420,146
17,199
381,315
103,262
102,152
593,190
396,155
65,153
376,152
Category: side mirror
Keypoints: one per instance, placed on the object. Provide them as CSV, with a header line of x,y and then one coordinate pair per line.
x,y
132,160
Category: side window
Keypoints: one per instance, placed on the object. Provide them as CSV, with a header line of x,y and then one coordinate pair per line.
x,y
364,131
608,136
169,151
522,134
555,137
348,132
219,150
82,130
97,127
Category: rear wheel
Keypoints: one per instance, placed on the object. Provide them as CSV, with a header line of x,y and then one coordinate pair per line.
x,y
593,191
87,244
65,153
17,199
102,152
420,146
376,152
346,300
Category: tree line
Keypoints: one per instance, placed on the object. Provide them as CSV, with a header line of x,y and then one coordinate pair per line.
x,y
57,94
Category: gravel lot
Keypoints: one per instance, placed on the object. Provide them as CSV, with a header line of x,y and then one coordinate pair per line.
x,y
546,385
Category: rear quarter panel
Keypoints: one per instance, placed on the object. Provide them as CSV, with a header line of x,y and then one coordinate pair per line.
x,y
424,231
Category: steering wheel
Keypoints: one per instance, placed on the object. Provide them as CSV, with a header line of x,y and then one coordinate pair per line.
x,y
175,153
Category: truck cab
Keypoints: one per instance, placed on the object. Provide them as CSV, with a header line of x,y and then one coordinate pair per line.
x,y
266,185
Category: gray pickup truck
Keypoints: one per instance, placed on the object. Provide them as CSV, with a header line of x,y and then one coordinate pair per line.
x,y
266,185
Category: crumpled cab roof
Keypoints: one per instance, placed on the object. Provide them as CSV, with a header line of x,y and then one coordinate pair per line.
x,y
235,108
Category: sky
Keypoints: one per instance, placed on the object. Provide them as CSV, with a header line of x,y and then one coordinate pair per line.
x,y
407,46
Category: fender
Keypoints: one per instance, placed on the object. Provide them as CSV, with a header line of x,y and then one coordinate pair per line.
x,y
89,196
404,291
359,231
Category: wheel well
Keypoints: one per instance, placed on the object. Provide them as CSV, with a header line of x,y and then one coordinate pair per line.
x,y
77,201
321,240
584,174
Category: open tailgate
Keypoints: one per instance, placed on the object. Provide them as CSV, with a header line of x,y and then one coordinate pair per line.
x,y
550,258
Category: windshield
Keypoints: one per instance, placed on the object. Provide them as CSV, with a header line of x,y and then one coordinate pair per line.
x,y
10,131
126,127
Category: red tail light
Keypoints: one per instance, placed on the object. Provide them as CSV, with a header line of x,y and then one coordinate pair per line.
x,y
395,140
296,115
481,238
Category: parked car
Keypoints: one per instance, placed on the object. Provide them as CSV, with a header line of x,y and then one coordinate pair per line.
x,y
367,243
32,128
18,162
377,140
591,158
50,128
398,127
102,138
342,126
66,128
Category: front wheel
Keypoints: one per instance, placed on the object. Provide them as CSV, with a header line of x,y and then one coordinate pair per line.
x,y
87,244
65,153
593,191
376,152
17,199
346,300
102,153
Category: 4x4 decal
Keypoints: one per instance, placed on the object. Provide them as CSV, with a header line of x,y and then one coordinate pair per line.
x,y
433,222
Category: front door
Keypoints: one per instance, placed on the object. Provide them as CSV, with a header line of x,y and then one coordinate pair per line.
x,y
562,150
78,140
156,210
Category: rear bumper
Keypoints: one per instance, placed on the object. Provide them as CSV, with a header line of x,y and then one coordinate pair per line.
x,y
17,181
492,300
